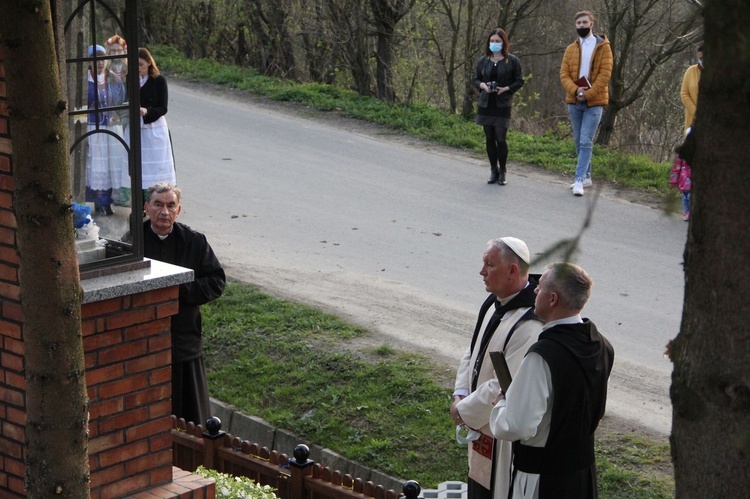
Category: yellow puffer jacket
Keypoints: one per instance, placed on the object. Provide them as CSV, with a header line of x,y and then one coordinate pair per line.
x,y
689,93
599,74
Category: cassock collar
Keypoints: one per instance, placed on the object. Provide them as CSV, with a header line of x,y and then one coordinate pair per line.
x,y
159,235
576,319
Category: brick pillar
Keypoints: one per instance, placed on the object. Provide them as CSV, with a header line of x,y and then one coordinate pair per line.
x,y
128,374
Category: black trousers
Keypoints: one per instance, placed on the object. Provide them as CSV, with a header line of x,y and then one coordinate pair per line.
x,y
476,491
190,391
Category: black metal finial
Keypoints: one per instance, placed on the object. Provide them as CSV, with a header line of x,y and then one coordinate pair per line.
x,y
301,453
412,489
213,425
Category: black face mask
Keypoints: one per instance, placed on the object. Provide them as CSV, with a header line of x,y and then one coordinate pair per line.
x,y
583,32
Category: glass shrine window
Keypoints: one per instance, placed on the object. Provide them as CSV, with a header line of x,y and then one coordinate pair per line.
x,y
104,131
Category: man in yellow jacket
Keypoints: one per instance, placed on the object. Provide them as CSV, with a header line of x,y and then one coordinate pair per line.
x,y
689,90
584,73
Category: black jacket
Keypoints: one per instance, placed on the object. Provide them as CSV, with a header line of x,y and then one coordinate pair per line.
x,y
155,98
187,248
509,74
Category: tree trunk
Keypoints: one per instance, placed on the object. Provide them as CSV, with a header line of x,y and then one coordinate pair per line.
x,y
56,401
607,125
385,18
317,41
351,42
711,380
268,22
467,107
384,69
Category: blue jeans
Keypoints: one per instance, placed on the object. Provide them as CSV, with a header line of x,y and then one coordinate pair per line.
x,y
585,120
686,202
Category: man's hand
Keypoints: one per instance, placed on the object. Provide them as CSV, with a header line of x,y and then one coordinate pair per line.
x,y
454,411
500,396
580,95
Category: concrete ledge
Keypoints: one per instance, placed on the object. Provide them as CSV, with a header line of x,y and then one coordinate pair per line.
x,y
156,276
224,412
254,429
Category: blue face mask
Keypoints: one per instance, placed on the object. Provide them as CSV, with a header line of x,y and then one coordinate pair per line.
x,y
496,47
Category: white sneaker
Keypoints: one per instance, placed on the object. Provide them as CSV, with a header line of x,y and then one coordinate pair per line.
x,y
578,188
586,183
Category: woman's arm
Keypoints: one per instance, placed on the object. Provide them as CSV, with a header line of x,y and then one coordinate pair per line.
x,y
157,105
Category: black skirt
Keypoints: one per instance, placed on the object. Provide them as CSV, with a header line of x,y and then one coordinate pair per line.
x,y
493,116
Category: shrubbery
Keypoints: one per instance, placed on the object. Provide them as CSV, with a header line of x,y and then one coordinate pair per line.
x,y
235,487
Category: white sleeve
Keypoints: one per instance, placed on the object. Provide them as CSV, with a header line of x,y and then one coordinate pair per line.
x,y
475,409
519,415
463,376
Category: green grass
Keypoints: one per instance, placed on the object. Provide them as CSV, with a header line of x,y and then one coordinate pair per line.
x,y
301,370
426,122
632,467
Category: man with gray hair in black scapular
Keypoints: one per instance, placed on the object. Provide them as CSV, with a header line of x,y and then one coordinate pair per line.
x,y
559,395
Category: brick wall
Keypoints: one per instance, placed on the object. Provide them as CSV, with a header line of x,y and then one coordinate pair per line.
x,y
12,382
128,374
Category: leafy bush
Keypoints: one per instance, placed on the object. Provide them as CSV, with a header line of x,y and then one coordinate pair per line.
x,y
235,487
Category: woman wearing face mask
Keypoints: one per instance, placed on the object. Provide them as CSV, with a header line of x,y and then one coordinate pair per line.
x,y
157,162
498,76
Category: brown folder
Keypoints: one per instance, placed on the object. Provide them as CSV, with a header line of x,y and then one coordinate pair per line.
x,y
583,82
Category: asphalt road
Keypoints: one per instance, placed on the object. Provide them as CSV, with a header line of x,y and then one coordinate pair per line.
x,y
389,232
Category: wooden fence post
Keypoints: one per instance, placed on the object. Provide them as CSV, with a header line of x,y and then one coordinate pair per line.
x,y
213,438
299,468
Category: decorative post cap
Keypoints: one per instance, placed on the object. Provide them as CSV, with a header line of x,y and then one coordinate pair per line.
x,y
301,454
412,489
213,428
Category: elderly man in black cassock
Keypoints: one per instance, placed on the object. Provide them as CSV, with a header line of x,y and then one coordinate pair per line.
x,y
169,241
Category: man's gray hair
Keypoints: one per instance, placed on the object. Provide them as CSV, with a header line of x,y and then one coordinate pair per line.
x,y
571,283
508,255
161,187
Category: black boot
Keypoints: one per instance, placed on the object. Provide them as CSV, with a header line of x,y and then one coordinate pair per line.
x,y
501,177
493,175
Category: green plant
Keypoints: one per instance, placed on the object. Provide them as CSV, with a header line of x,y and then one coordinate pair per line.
x,y
236,487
